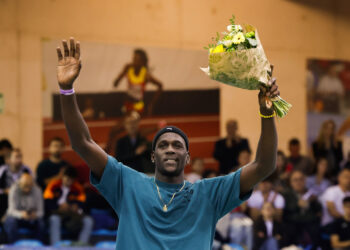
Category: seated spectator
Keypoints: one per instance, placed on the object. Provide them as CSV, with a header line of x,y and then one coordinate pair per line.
x,y
280,176
244,157
197,170
318,183
9,174
299,161
340,235
133,149
52,167
265,193
332,198
210,173
302,212
64,200
26,209
267,231
327,145
227,150
5,150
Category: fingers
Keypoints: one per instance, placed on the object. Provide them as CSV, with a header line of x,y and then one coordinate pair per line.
x,y
59,53
77,50
273,91
65,48
72,47
72,51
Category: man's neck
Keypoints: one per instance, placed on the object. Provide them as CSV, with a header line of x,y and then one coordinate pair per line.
x,y
170,179
347,218
55,159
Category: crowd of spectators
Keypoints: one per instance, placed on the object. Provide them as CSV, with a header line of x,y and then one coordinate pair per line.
x,y
305,202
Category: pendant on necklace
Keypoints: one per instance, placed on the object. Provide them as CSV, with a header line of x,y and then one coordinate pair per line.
x,y
165,208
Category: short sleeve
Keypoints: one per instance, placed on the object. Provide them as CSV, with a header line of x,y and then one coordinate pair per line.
x,y
328,195
224,192
255,201
111,183
279,202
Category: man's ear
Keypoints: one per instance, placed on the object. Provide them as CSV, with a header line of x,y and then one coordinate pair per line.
x,y
152,157
188,158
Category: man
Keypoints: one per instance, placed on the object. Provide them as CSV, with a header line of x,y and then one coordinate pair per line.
x,y
52,167
132,149
332,198
227,150
340,235
299,161
302,212
26,209
64,200
163,212
9,174
5,150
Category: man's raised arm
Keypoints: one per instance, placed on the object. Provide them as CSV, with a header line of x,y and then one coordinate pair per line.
x,y
68,69
265,160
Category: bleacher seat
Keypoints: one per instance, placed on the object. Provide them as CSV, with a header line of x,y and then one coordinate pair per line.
x,y
28,243
106,244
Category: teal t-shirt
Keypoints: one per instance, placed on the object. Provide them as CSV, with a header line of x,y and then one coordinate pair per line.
x,y
190,220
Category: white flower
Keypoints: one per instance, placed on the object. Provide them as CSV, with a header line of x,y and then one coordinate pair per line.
x,y
237,28
228,43
229,28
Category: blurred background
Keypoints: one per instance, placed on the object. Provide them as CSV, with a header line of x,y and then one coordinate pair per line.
x,y
307,41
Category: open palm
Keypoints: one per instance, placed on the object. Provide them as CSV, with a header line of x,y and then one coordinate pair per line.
x,y
69,65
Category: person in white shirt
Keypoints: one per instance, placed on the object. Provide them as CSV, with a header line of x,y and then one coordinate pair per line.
x,y
197,170
332,198
265,193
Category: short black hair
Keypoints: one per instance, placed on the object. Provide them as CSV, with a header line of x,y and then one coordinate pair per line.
x,y
70,172
5,143
59,139
346,200
294,141
142,53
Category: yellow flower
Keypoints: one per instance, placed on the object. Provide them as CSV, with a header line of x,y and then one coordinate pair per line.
x,y
218,49
238,38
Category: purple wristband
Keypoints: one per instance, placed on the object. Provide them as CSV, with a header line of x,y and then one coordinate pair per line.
x,y
67,91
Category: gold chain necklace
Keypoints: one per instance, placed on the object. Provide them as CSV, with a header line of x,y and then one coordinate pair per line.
x,y
165,206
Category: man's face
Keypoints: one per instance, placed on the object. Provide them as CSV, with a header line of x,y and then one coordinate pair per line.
x,y
231,128
26,184
344,179
131,125
170,155
56,148
67,181
294,149
16,159
297,182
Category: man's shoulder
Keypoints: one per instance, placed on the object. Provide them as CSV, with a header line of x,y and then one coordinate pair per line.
x,y
332,192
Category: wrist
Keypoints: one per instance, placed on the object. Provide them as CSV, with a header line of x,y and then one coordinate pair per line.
x,y
266,112
67,91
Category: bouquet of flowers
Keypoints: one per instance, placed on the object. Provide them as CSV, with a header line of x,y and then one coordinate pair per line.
x,y
237,58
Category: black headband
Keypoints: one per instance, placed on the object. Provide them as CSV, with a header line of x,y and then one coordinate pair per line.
x,y
169,129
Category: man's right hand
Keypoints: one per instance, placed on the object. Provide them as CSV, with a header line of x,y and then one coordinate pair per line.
x,y
69,64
